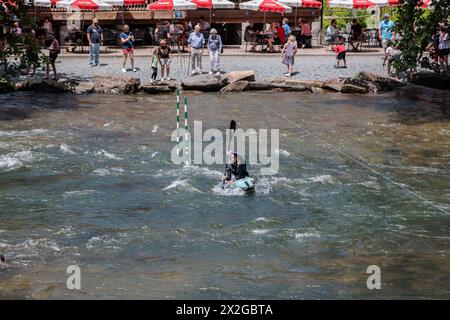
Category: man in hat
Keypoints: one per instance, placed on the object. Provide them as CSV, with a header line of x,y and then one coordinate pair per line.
x,y
386,31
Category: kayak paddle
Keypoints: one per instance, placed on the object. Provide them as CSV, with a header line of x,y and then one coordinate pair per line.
x,y
232,129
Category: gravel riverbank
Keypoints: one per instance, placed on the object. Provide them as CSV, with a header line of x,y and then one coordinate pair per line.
x,y
306,67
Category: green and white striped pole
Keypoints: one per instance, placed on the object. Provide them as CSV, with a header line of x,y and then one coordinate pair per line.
x,y
186,146
178,121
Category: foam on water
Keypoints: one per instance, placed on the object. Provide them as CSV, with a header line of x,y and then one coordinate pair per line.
x,y
228,191
77,193
181,185
114,171
306,235
14,133
107,155
282,152
66,149
12,161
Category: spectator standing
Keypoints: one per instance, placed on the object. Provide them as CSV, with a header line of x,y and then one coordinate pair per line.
x,y
306,34
386,31
287,29
444,49
214,48
95,39
47,25
154,65
288,54
372,20
54,50
16,30
32,48
127,39
196,41
164,58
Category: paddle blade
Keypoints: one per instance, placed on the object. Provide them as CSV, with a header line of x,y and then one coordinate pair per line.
x,y
233,125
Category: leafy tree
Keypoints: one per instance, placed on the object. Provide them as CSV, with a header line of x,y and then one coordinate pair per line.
x,y
13,49
416,26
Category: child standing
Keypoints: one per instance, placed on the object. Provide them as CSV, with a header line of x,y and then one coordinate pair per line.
x,y
392,53
288,54
54,50
154,65
341,51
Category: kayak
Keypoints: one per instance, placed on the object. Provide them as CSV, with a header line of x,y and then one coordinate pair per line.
x,y
245,184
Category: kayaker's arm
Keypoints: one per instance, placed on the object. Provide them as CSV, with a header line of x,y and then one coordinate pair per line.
x,y
228,171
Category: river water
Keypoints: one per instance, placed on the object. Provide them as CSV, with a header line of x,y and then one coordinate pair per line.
x,y
363,180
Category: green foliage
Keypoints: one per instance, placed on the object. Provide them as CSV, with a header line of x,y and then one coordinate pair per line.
x,y
416,27
343,16
13,56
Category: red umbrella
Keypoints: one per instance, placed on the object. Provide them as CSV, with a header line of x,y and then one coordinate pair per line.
x,y
204,4
311,4
89,5
264,6
172,5
350,4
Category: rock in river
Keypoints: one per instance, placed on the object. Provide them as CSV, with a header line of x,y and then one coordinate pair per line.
x,y
234,76
237,86
115,84
203,82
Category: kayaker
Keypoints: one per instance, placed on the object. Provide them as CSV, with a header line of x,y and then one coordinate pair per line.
x,y
236,168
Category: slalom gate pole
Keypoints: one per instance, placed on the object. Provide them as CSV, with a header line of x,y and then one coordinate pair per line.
x,y
186,146
178,121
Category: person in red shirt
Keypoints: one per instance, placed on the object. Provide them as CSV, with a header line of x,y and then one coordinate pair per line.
x,y
280,33
340,50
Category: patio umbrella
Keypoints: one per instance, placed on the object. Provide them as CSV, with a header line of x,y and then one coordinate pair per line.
x,y
83,5
172,5
214,4
265,6
350,4
301,4
384,3
123,4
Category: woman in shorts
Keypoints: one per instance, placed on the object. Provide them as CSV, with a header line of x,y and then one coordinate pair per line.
x,y
165,58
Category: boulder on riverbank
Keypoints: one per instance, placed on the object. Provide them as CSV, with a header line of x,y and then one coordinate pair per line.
x,y
306,83
244,75
363,82
116,85
278,87
237,86
47,85
203,82
430,79
157,88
